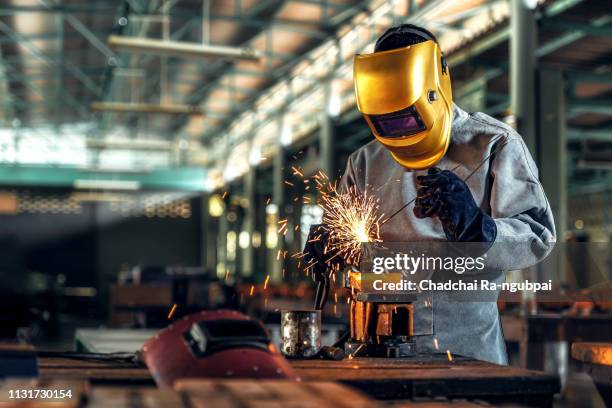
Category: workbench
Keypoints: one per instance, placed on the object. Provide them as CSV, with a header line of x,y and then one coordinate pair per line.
x,y
533,331
597,361
382,379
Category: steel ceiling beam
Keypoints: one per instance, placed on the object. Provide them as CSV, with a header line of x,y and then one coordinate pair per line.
x,y
131,107
286,68
109,9
12,9
51,36
503,34
597,28
8,109
89,35
598,106
575,134
36,52
220,70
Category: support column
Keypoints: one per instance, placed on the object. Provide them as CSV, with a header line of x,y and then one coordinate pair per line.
x,y
279,200
553,156
208,252
249,222
523,44
327,137
260,253
222,244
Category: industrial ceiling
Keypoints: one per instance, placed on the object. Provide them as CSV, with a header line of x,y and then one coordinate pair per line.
x,y
64,84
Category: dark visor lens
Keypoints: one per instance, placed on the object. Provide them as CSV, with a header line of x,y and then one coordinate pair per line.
x,y
397,124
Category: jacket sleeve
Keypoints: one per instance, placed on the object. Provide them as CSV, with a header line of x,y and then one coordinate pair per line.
x,y
519,207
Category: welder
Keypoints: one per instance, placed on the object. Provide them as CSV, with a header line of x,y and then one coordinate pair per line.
x,y
473,178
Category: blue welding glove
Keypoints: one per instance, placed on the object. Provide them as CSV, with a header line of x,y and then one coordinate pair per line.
x,y
320,259
444,195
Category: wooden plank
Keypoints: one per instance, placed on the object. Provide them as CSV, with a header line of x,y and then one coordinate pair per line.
x,y
340,395
38,393
406,379
95,371
258,393
140,295
216,401
134,397
196,386
445,404
18,360
593,353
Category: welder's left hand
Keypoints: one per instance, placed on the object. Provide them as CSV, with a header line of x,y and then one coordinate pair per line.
x,y
444,195
318,254
320,259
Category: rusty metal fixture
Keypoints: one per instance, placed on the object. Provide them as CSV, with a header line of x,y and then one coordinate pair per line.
x,y
381,324
300,333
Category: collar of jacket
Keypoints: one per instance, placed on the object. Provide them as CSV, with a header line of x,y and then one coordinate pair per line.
x,y
459,115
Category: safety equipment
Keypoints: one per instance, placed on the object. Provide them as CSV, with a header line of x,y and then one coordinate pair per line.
x,y
444,195
213,344
405,97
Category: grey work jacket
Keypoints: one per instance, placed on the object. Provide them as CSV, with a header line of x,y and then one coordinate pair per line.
x,y
506,187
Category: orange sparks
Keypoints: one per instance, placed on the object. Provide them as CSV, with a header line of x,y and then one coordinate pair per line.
x,y
351,218
224,195
266,282
449,355
172,310
252,290
287,182
296,171
268,201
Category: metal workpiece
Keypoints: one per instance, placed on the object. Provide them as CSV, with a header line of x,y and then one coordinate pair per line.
x,y
300,333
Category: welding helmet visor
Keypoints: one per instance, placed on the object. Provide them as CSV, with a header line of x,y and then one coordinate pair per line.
x,y
405,97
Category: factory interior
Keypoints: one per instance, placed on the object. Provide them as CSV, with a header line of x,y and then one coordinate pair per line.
x,y
164,160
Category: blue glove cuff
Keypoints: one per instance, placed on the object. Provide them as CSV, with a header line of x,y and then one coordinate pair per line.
x,y
481,228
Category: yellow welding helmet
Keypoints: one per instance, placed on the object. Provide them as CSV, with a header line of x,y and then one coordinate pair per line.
x,y
405,97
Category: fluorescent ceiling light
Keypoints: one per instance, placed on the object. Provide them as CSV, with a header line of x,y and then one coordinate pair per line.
x,y
106,185
86,196
130,144
128,107
180,48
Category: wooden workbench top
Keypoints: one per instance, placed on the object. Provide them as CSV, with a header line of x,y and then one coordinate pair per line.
x,y
51,368
434,377
593,353
378,377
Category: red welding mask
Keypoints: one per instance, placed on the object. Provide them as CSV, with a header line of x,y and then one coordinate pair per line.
x,y
214,344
